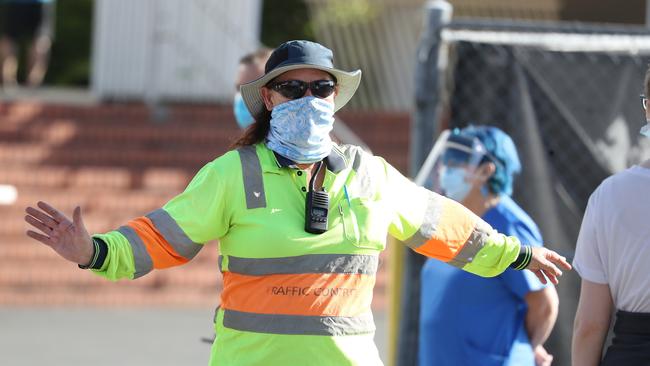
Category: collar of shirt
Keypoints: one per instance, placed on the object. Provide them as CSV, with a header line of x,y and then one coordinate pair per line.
x,y
274,162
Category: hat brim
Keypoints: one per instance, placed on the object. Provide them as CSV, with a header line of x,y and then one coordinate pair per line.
x,y
347,83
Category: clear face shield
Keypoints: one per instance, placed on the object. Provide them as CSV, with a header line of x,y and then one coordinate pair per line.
x,y
451,164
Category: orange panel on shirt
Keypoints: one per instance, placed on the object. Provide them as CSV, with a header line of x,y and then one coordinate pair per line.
x,y
312,294
161,252
452,231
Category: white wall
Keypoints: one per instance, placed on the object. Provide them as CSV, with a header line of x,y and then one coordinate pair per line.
x,y
182,50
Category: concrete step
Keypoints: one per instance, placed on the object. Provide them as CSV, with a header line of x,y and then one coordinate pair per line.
x,y
33,153
66,131
109,201
110,178
102,113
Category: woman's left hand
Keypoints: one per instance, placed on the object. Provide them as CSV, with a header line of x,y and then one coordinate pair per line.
x,y
545,262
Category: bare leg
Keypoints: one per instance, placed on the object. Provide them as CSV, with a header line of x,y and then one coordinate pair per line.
x,y
39,54
8,62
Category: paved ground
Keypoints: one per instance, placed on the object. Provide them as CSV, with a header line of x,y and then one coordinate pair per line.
x,y
98,337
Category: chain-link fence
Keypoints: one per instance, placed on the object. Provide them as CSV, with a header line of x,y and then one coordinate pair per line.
x,y
575,113
569,97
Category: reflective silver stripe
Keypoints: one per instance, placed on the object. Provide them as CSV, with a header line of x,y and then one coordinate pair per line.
x,y
471,247
173,234
357,161
141,258
311,263
336,160
253,182
298,324
362,185
429,224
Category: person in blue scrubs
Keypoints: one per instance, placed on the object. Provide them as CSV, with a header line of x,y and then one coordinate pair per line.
x,y
460,312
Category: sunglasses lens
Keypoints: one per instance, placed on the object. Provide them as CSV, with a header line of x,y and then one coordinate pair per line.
x,y
323,88
292,89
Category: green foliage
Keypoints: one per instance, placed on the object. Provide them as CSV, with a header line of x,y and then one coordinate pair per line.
x,y
284,20
345,12
71,49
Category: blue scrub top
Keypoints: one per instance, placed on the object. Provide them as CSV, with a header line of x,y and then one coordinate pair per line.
x,y
471,320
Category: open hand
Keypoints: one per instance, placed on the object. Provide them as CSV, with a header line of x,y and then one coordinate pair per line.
x,y
545,262
69,239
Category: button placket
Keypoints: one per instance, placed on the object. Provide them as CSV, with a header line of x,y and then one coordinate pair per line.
x,y
300,178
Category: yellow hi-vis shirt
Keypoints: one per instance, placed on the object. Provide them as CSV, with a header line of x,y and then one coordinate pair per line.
x,y
290,297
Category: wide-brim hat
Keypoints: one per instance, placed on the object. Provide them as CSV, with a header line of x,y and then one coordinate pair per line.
x,y
294,55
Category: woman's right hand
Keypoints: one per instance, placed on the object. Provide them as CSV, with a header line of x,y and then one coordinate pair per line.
x,y
69,239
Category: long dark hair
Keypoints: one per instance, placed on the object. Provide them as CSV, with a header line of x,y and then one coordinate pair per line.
x,y
256,132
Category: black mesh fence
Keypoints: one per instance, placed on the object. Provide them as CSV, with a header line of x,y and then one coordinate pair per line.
x,y
570,101
583,106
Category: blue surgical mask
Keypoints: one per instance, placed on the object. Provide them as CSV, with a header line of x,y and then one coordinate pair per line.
x,y
453,183
300,129
645,130
242,115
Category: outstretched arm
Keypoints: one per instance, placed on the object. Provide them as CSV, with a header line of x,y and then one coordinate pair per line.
x,y
166,237
441,228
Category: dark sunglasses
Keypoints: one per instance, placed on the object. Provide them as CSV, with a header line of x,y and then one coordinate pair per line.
x,y
294,89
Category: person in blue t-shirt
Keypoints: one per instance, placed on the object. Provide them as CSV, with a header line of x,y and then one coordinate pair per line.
x,y
459,311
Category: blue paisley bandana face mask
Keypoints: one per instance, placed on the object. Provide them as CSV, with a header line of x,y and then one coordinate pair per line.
x,y
645,130
242,115
300,129
452,181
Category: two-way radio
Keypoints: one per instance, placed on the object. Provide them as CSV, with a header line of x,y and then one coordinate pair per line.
x,y
316,207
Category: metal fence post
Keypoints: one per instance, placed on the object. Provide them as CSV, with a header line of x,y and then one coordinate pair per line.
x,y
430,59
427,81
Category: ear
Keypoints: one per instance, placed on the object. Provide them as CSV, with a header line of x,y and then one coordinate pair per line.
x,y
485,171
266,97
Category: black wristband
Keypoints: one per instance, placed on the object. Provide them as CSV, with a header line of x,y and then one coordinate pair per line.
x,y
100,250
524,258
